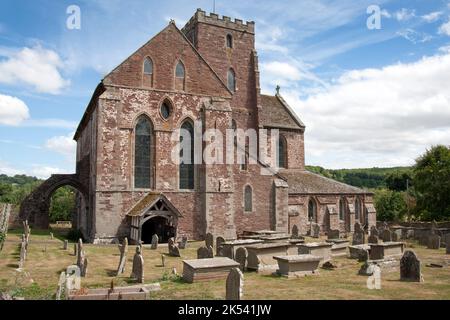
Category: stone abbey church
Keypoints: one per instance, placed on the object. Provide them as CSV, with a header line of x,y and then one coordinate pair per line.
x,y
129,187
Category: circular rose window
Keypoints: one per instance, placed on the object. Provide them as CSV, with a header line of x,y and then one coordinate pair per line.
x,y
165,110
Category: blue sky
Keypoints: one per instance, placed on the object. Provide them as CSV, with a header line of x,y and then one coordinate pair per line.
x,y
368,97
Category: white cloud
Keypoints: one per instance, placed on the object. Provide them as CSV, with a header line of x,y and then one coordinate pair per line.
x,y
5,168
445,28
378,117
50,123
44,172
36,67
13,111
432,16
386,14
64,145
405,14
414,36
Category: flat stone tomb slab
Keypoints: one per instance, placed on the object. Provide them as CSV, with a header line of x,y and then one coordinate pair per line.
x,y
260,256
275,238
387,250
297,265
355,251
339,248
229,248
321,249
207,269
262,233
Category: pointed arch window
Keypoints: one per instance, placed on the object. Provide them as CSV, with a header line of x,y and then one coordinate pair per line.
x,y
282,152
187,156
180,76
341,209
231,80
358,215
248,199
143,153
148,73
312,210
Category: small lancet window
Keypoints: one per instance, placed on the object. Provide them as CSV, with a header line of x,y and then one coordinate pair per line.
x,y
231,80
229,41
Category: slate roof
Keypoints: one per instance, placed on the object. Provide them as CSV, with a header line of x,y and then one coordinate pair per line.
x,y
305,182
276,113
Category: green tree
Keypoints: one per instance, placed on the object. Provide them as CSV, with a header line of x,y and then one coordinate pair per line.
x,y
431,179
398,180
62,204
390,205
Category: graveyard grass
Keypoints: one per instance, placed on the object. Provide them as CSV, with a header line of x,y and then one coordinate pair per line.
x,y
46,260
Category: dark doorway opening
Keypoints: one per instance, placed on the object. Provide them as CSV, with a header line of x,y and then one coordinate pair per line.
x,y
159,226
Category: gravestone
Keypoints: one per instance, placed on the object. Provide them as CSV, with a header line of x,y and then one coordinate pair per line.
x,y
23,254
138,266
447,249
434,227
205,253
51,236
219,246
394,236
123,257
410,267
81,258
358,235
374,231
183,243
155,241
315,230
241,257
66,245
373,239
295,232
209,240
386,235
163,260
84,269
174,251
333,234
75,249
61,286
235,285
434,241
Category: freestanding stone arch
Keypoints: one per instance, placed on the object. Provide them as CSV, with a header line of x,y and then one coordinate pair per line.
x,y
35,207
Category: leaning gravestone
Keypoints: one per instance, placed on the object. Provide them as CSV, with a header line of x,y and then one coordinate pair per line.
x,y
66,245
174,251
386,235
434,241
241,257
315,230
373,239
84,270
75,249
294,234
235,285
209,240
394,236
333,234
358,235
138,266
123,257
81,258
410,267
155,240
61,291
219,246
183,243
23,254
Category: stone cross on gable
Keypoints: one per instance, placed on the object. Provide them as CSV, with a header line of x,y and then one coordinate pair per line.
x,y
278,89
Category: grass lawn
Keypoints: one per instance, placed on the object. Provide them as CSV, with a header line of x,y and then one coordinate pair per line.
x,y
46,260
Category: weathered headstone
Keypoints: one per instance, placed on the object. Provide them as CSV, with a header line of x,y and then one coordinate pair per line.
x,y
138,266
84,268
447,249
373,239
394,236
235,285
374,231
183,243
23,254
434,241
174,251
81,258
155,241
75,249
219,246
358,235
66,245
410,267
73,278
205,253
295,232
333,234
163,260
61,286
51,235
386,235
241,257
434,227
123,248
315,230
209,240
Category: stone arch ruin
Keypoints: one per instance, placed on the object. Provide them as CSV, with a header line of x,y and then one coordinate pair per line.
x,y
35,207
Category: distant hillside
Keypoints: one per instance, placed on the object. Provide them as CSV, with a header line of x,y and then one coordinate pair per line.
x,y
17,179
371,178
